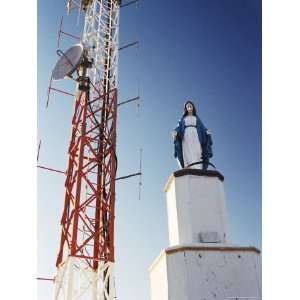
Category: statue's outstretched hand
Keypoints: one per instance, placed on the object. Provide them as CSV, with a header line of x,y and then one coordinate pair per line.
x,y
174,134
208,131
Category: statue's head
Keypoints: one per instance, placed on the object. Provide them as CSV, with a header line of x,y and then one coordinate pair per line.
x,y
189,108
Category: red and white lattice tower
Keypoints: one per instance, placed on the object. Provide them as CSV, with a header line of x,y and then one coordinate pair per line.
x,y
85,258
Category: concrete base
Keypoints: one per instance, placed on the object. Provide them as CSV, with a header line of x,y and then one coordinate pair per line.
x,y
196,207
206,272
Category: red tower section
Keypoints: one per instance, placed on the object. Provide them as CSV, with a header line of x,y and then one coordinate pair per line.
x,y
87,224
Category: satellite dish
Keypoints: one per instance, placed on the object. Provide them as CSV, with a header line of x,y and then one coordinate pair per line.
x,y
68,62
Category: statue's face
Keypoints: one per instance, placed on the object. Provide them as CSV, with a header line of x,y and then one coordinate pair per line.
x,y
189,108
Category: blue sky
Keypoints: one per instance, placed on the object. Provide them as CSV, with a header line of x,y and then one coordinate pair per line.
x,y
208,51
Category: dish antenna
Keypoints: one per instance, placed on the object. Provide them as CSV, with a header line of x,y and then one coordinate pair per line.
x,y
68,62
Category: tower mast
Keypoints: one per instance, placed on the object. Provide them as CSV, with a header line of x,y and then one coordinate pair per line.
x,y
86,252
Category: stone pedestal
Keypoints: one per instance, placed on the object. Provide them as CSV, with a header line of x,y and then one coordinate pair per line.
x,y
201,264
196,207
206,272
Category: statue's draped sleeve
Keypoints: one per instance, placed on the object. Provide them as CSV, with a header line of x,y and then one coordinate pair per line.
x,y
205,140
178,142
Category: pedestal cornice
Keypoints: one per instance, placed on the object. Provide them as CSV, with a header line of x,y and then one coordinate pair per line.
x,y
195,172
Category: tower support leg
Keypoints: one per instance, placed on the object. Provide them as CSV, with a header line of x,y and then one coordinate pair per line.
x,y
76,282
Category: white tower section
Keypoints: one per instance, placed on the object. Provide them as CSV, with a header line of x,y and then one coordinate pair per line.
x,y
101,36
200,264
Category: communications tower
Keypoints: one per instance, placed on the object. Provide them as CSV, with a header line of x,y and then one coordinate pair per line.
x,y
85,257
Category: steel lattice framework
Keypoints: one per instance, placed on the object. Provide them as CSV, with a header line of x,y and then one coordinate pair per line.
x,y
86,252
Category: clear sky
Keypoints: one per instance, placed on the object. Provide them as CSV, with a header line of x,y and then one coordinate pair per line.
x,y
208,51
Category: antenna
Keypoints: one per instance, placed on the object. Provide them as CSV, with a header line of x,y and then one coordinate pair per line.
x,y
68,62
140,182
38,151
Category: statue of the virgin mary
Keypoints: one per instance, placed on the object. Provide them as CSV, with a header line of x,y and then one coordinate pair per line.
x,y
192,140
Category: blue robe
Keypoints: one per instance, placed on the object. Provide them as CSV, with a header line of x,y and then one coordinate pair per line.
x,y
204,139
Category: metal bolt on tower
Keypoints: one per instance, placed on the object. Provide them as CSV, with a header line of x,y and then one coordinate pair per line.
x,y
86,253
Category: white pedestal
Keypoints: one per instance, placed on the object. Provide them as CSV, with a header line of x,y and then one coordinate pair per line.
x,y
206,272
196,207
201,264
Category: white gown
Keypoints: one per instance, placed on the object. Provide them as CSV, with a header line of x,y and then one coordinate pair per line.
x,y
191,147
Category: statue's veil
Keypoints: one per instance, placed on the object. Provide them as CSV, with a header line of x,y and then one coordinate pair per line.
x,y
185,112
